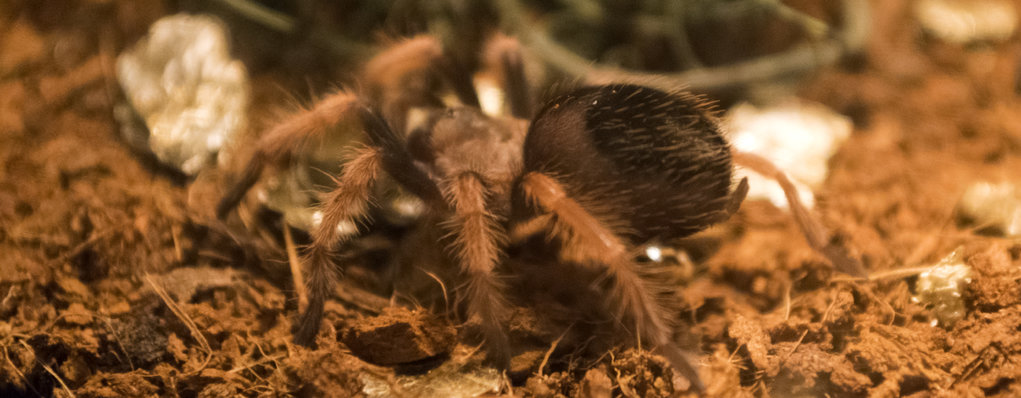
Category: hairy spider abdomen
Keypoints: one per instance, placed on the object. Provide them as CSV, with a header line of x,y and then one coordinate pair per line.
x,y
658,154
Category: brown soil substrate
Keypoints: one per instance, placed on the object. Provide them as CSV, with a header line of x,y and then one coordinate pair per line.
x,y
116,280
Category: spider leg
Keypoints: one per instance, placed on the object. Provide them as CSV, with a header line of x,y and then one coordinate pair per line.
x,y
524,229
395,79
736,198
459,79
399,78
586,240
397,161
504,54
477,244
348,203
279,145
816,235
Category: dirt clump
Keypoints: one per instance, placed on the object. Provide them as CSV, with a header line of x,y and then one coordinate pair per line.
x,y
399,336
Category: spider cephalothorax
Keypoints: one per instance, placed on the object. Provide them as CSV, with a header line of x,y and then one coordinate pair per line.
x,y
598,171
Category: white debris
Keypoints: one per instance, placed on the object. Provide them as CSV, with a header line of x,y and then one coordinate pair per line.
x,y
995,206
967,21
654,253
183,83
798,136
406,207
491,96
291,192
940,289
450,379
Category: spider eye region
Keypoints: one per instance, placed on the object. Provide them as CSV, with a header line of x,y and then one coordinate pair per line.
x,y
658,154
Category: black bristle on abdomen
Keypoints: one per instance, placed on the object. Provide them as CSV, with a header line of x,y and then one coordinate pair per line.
x,y
654,161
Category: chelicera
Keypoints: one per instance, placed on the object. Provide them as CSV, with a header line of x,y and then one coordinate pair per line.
x,y
597,171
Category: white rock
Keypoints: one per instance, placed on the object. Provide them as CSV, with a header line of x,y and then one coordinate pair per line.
x,y
940,287
967,21
994,206
182,81
798,136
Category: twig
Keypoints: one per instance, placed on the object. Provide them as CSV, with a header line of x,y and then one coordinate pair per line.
x,y
446,298
826,313
679,31
296,275
277,368
284,23
256,363
867,291
79,248
188,322
264,16
787,301
361,298
553,347
899,273
587,10
49,370
625,389
175,233
884,275
117,338
811,25
107,49
21,374
794,61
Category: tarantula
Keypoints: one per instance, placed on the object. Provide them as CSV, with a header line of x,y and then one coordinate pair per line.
x,y
599,170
